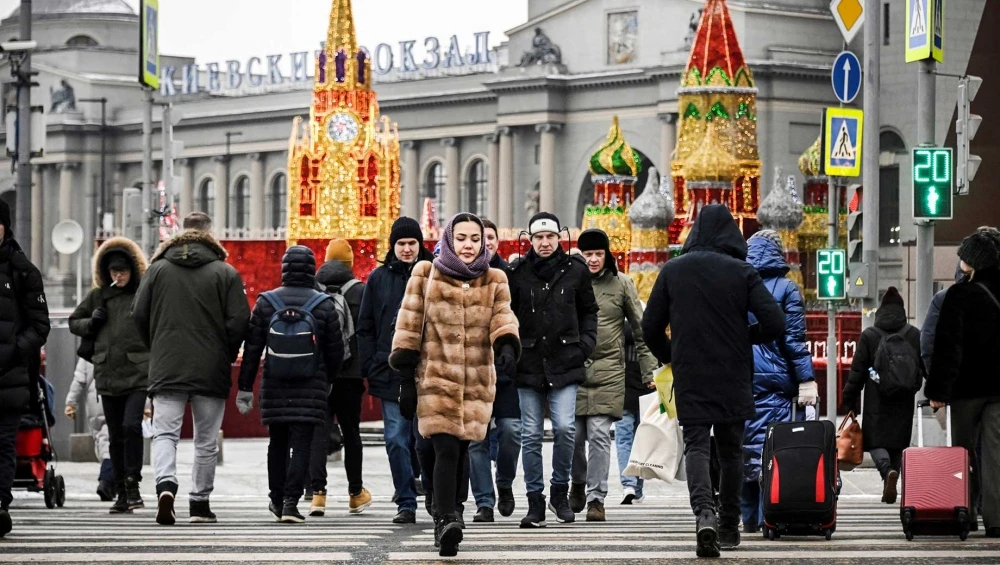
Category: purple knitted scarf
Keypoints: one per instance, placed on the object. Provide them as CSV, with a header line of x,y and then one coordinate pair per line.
x,y
452,265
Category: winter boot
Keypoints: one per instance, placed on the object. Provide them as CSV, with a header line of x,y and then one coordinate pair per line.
x,y
201,512
559,504
707,532
290,511
132,493
889,492
505,503
577,497
5,522
483,514
451,536
318,507
536,511
121,503
360,501
437,531
595,511
105,490
165,507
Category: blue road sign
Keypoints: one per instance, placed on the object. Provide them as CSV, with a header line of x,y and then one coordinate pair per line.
x,y
846,77
842,137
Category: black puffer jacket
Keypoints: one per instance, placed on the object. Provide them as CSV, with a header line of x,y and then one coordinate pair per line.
x,y
704,296
377,322
558,321
886,421
968,338
333,275
24,325
299,401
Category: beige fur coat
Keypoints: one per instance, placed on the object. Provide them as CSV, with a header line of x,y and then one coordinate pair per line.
x,y
465,322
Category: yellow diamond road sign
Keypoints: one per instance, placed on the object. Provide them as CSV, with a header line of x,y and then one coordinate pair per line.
x,y
849,15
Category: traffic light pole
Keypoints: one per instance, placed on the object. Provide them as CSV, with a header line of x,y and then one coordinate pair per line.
x,y
870,154
926,95
832,351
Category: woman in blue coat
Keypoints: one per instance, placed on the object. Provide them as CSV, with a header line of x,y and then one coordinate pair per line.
x,y
782,369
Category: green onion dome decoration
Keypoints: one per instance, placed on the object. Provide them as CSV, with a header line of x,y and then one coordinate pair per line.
x,y
615,157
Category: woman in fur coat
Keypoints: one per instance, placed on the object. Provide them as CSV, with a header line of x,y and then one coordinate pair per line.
x,y
454,332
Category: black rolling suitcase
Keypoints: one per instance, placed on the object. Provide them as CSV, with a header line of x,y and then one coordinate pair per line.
x,y
799,478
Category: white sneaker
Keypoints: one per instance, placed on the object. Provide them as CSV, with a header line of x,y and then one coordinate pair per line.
x,y
631,498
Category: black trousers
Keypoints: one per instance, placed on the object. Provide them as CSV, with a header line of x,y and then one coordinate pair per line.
x,y
288,460
9,420
344,403
124,417
887,460
450,469
698,454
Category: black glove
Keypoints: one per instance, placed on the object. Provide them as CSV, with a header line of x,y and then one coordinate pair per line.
x,y
98,318
506,362
408,397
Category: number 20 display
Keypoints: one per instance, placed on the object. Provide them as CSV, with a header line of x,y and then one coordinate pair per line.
x,y
831,274
933,183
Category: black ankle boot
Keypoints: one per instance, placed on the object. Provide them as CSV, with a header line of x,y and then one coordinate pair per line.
x,y
132,494
451,535
121,503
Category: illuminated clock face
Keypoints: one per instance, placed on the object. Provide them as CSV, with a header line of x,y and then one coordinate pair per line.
x,y
342,128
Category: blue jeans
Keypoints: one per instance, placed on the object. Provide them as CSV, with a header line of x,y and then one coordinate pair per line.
x,y
751,504
624,436
508,437
562,409
397,444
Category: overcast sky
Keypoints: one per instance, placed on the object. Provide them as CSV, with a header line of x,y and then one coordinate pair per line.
x,y
217,30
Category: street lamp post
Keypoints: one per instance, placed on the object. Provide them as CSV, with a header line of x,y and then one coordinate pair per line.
x,y
102,199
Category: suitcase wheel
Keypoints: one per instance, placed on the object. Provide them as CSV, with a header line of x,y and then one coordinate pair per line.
x,y
909,534
828,534
963,536
772,534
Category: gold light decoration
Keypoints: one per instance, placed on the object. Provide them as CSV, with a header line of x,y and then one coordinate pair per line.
x,y
343,164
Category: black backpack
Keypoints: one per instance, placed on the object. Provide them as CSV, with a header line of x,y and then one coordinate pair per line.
x,y
292,342
897,365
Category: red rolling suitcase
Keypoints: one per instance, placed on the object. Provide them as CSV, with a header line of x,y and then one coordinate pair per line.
x,y
935,489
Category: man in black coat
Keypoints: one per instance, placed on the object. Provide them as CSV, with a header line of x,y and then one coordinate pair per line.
x,y
705,296
964,369
376,325
291,408
506,431
552,296
24,326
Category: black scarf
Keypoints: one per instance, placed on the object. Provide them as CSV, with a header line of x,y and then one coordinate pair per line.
x,y
545,268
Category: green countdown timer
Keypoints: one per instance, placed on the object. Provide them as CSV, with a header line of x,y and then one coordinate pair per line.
x,y
831,274
933,183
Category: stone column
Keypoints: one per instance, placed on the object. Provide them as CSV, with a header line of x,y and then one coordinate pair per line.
x,y
411,180
118,185
256,191
547,189
219,222
505,179
66,205
186,203
451,170
668,141
493,176
37,215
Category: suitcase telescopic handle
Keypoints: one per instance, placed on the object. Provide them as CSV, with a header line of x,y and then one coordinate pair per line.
x,y
920,422
795,404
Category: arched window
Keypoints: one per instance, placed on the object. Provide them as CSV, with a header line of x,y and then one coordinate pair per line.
x,y
434,187
478,187
239,203
279,201
206,196
81,41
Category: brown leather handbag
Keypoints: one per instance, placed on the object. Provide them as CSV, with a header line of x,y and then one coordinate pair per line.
x,y
850,450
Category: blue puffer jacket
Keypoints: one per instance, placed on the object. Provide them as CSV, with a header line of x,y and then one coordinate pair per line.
x,y
779,366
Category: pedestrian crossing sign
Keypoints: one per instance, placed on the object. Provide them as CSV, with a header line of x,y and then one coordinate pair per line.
x,y
842,130
924,30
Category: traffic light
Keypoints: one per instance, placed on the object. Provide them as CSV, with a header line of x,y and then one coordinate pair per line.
x,y
831,274
965,129
933,183
854,226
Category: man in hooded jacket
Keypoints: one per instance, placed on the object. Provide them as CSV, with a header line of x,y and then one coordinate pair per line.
x,y
705,296
376,325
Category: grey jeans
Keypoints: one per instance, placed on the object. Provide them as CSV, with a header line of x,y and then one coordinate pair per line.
x,y
168,415
972,419
592,466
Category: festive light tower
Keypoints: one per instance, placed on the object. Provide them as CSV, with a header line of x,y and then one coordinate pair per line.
x,y
614,169
717,101
344,162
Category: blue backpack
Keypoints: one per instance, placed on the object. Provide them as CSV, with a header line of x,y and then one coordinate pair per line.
x,y
292,343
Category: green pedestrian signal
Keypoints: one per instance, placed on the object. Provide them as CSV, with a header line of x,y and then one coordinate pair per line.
x,y
831,274
933,183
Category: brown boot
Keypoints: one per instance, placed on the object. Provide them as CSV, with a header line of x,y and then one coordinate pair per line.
x,y
595,511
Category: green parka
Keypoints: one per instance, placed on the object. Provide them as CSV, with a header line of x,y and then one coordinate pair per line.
x,y
603,393
121,359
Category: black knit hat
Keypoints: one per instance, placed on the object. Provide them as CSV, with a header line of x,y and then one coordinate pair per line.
x,y
118,261
592,240
5,218
979,251
405,228
544,222
892,296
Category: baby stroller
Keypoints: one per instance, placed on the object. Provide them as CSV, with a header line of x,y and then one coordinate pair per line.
x,y
35,454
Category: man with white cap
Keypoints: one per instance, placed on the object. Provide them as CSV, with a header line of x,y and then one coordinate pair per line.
x,y
552,296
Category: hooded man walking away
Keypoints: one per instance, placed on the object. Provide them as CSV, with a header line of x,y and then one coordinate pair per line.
x,y
705,296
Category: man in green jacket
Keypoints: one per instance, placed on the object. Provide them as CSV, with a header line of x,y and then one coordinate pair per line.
x,y
192,311
601,398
